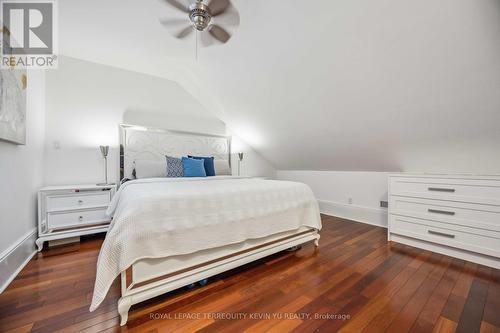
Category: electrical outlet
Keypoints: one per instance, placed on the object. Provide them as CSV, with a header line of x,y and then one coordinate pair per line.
x,y
384,204
349,201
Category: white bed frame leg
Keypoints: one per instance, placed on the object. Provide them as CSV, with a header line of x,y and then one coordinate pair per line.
x,y
124,305
316,241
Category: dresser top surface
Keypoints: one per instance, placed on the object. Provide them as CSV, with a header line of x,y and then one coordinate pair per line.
x,y
77,187
450,176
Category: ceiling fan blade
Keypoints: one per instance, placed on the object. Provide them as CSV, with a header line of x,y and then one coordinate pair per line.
x,y
218,6
180,5
229,17
205,38
173,22
184,32
219,33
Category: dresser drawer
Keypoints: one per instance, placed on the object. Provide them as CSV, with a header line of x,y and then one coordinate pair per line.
x,y
62,220
461,190
465,214
435,232
78,201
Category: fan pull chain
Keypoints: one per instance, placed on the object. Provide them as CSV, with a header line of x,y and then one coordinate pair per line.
x,y
196,52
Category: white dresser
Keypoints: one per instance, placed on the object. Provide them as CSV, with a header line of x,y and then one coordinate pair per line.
x,y
456,215
70,211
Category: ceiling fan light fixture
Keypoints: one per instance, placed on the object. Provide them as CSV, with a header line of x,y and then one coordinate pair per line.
x,y
199,15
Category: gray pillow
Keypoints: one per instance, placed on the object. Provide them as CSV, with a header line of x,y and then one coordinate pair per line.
x,y
174,167
149,169
222,168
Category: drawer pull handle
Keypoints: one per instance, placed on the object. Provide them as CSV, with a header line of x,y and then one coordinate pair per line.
x,y
80,202
80,218
441,189
437,211
440,234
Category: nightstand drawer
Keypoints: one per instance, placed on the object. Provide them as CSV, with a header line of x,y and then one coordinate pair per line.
x,y
63,220
78,201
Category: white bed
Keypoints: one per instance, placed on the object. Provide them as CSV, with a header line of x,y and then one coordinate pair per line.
x,y
169,232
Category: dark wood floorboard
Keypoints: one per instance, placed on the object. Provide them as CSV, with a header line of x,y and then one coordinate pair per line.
x,y
355,282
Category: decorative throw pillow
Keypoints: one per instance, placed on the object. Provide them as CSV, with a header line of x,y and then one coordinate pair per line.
x,y
149,169
222,168
193,168
208,163
174,167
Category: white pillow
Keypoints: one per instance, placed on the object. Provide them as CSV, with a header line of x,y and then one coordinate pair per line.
x,y
150,169
222,168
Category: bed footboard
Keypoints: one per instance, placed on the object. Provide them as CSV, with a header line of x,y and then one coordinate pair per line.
x,y
143,281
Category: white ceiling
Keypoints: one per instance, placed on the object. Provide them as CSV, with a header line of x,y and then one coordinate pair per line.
x,y
327,84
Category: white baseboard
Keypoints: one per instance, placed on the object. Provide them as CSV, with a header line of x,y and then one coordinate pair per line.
x,y
374,216
13,260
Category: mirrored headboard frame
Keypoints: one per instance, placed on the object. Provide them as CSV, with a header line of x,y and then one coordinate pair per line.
x,y
218,146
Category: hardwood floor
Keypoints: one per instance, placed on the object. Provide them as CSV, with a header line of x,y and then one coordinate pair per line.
x,y
370,285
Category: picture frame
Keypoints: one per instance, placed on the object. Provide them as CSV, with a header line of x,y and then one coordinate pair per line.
x,y
13,85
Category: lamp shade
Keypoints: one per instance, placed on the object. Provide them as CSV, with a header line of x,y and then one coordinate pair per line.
x,y
104,150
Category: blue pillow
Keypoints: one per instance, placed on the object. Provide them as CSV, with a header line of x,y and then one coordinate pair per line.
x,y
193,168
208,163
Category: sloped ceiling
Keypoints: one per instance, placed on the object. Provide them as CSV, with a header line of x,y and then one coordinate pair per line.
x,y
382,85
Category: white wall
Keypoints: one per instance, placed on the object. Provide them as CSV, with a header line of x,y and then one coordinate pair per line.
x,y
199,124
21,174
386,85
253,164
333,189
21,169
86,102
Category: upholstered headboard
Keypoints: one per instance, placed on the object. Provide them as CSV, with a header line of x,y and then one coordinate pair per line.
x,y
137,142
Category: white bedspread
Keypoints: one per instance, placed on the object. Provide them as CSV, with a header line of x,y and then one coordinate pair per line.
x,y
160,217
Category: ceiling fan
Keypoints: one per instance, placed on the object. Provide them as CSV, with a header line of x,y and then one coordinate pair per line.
x,y
204,18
